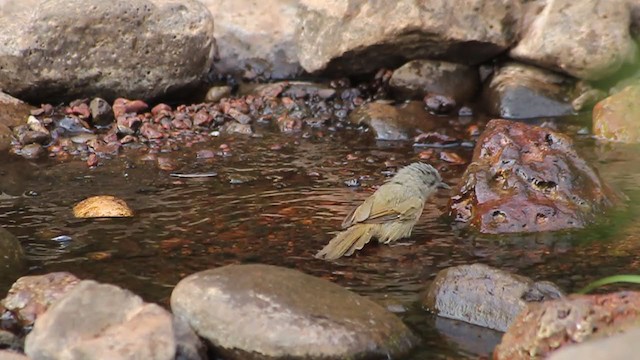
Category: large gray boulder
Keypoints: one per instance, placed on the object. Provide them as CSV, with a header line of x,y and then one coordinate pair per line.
x,y
60,49
588,39
256,39
360,36
264,312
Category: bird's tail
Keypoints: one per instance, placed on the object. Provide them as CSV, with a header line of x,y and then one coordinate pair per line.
x,y
347,242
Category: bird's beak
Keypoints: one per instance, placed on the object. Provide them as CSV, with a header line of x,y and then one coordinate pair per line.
x,y
442,185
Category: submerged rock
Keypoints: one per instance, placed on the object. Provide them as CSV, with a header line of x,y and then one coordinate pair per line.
x,y
264,311
418,78
545,327
256,39
519,91
30,296
101,321
617,118
351,37
558,38
484,296
12,261
390,122
102,206
85,48
526,179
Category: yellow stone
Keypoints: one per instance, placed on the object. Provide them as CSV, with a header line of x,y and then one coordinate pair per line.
x,y
102,206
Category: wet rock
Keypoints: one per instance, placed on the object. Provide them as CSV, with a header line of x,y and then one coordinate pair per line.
x,y
32,151
12,262
435,29
526,179
103,321
544,327
13,112
622,346
101,112
484,296
519,91
558,38
123,106
10,355
6,136
102,206
30,296
389,122
617,118
233,127
439,104
470,338
263,311
96,48
245,48
417,78
216,93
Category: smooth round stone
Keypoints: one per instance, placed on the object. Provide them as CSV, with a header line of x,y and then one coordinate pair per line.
x,y
262,311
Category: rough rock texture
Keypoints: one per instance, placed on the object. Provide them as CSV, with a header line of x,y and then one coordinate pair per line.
x,y
101,321
102,206
30,296
12,261
139,48
263,311
525,179
360,36
256,39
519,91
10,355
390,122
13,112
617,118
588,39
484,296
622,346
417,78
545,327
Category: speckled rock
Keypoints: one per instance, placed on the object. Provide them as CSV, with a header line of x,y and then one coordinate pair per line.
x,y
389,122
30,296
256,39
10,355
85,48
545,327
12,261
215,93
527,178
351,36
101,321
264,312
617,118
588,39
102,206
418,78
623,346
519,91
484,296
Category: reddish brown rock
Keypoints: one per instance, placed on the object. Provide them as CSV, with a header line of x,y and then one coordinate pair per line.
x,y
30,296
545,327
13,112
123,106
617,117
525,179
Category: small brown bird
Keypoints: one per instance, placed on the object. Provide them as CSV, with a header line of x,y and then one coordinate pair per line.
x,y
389,213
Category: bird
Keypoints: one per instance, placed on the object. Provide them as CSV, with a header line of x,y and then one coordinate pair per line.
x,y
389,213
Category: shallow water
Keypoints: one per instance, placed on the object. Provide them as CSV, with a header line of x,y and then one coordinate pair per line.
x,y
280,207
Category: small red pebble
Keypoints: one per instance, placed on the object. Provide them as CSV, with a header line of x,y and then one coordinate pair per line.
x,y
92,160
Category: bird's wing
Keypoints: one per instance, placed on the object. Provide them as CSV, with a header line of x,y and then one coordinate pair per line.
x,y
373,211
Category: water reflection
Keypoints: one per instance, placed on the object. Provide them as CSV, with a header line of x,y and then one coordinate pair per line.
x,y
289,208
